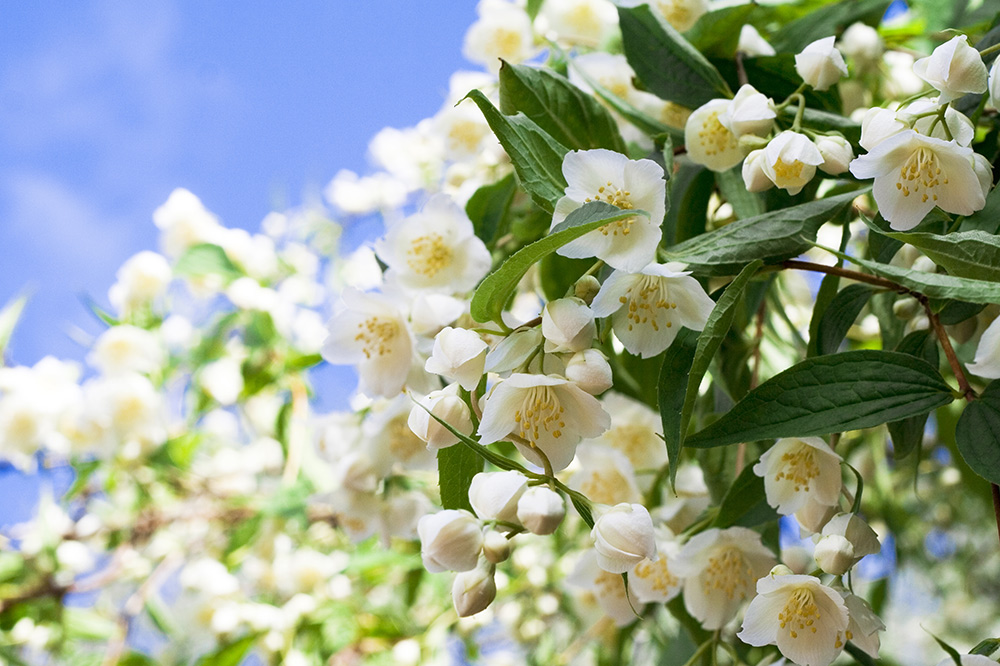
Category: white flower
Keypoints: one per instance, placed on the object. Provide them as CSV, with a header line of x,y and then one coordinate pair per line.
x,y
752,43
820,64
459,355
719,568
878,125
790,161
605,475
648,308
754,177
495,495
607,588
436,248
183,221
568,325
913,173
503,30
604,175
496,547
749,112
804,618
836,152
655,582
473,591
589,369
585,22
551,413
797,469
141,279
450,540
445,405
371,332
862,44
954,69
360,195
681,14
846,538
635,431
987,360
959,126
623,537
122,349
541,510
708,141
968,660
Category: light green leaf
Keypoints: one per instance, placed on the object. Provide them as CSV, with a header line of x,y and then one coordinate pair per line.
x,y
826,394
978,434
488,207
665,62
206,259
536,156
968,254
839,316
229,655
456,467
9,316
569,115
494,292
772,237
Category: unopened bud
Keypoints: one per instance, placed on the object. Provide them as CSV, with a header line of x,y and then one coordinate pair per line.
x,y
496,547
541,510
494,495
473,591
450,540
586,288
589,369
834,554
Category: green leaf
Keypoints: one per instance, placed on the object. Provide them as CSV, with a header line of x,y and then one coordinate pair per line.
x,y
745,204
9,316
536,156
907,434
986,647
952,652
839,316
493,293
988,219
719,322
772,237
206,259
745,503
229,655
833,393
775,76
690,189
87,624
456,467
671,389
933,285
243,533
718,32
968,254
569,115
488,207
181,449
826,21
978,434
665,62
11,566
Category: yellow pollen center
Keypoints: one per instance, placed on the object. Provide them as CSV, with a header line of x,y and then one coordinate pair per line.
x,y
403,444
540,411
583,19
504,43
631,440
616,197
428,255
658,574
728,572
921,170
714,136
606,486
377,335
646,301
465,135
800,613
799,467
785,172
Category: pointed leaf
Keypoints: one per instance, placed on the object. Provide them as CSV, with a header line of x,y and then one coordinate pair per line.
x,y
978,434
570,116
671,389
487,209
826,394
665,62
968,254
745,503
839,317
456,467
907,434
717,33
493,292
206,259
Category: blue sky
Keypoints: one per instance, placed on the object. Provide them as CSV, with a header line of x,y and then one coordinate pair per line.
x,y
105,107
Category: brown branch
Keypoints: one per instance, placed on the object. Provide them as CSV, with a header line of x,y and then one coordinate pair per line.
x,y
850,275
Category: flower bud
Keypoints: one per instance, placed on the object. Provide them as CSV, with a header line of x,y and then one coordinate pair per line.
x,y
541,510
753,173
450,540
496,546
836,152
752,43
590,370
790,161
459,356
494,495
445,405
954,68
568,325
820,64
750,112
834,554
586,288
861,43
473,591
623,537
852,527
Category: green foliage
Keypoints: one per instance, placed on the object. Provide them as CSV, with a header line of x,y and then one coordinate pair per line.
x,y
907,434
456,467
829,20
206,259
231,654
839,316
967,254
745,503
828,394
978,434
934,285
488,209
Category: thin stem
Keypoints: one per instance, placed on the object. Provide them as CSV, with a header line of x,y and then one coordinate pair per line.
x,y
949,351
849,274
989,50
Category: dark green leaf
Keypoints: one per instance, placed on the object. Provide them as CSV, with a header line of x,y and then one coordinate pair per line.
x,y
488,206
665,62
826,21
536,156
907,434
839,316
934,285
988,219
775,76
978,434
826,293
986,647
671,389
718,32
827,122
826,394
968,254
569,115
745,204
492,294
456,467
84,470
745,503
772,237
557,274
689,190
206,259
229,655
952,652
